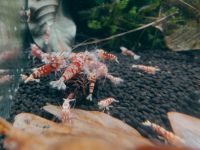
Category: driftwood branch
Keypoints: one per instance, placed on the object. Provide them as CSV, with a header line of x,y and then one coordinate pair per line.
x,y
124,33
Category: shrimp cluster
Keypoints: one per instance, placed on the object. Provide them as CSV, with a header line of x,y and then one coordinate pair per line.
x,y
71,64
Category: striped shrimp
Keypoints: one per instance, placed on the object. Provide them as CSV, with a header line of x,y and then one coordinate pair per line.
x,y
129,53
106,56
105,103
41,71
65,116
115,80
169,136
36,51
71,71
92,77
147,69
102,70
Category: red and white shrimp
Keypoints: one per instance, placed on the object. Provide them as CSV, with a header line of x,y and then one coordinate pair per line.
x,y
169,136
115,80
106,56
41,71
147,69
102,70
36,51
72,70
92,77
129,53
66,114
105,103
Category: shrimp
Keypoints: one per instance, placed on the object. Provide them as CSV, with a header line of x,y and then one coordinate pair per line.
x,y
65,117
92,79
41,71
147,69
106,56
36,51
115,80
105,103
169,136
129,53
102,70
72,70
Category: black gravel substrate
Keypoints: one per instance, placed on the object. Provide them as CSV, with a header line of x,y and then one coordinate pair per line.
x,y
142,96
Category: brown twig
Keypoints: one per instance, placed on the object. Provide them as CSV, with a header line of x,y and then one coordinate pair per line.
x,y
185,3
124,33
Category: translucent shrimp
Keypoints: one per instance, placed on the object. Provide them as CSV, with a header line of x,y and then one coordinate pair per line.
x,y
169,136
105,103
66,114
129,53
147,69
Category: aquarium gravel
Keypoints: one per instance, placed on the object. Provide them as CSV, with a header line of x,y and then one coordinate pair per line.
x,y
141,96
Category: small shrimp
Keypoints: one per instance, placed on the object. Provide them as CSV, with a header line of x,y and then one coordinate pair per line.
x,y
129,53
65,116
115,80
105,103
169,136
72,70
41,71
106,56
36,51
147,69
92,79
102,71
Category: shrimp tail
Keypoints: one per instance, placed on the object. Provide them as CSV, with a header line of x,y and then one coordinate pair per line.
x,y
89,97
114,100
135,66
117,60
147,123
31,78
136,57
59,84
157,69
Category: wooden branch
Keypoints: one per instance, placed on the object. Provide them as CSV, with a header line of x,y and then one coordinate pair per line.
x,y
124,33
